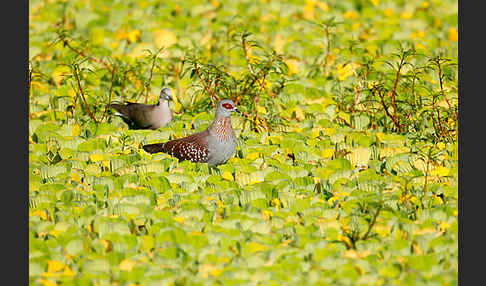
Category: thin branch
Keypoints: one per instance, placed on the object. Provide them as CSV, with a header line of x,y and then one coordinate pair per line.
x,y
397,77
205,85
76,75
66,44
262,85
442,89
397,125
109,92
150,77
245,50
426,175
328,47
123,85
248,86
373,221
29,84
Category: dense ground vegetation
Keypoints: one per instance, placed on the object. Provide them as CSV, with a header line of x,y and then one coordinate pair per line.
x,y
346,166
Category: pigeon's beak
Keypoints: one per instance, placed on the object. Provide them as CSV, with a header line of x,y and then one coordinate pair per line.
x,y
169,97
236,109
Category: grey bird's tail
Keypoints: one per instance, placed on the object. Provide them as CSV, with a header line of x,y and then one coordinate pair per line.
x,y
154,148
120,108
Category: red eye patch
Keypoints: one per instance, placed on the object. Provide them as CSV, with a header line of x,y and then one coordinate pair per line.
x,y
228,105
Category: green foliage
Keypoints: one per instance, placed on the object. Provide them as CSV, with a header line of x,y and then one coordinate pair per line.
x,y
346,166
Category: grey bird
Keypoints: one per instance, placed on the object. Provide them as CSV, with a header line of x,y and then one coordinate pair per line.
x,y
146,116
214,146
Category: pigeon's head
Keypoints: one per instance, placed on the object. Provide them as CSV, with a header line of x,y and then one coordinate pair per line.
x,y
166,94
226,107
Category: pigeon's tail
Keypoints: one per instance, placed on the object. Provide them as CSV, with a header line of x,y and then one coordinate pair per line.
x,y
120,108
154,148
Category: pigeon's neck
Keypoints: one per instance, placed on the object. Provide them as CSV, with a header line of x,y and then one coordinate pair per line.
x,y
163,103
221,128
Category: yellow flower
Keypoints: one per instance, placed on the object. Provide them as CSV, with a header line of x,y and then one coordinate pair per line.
x,y
293,66
444,226
353,15
453,35
388,12
56,232
164,38
420,46
275,202
127,265
417,35
106,244
59,73
68,272
54,266
255,247
440,171
96,157
228,176
42,214
279,43
330,131
179,219
266,214
353,254
372,84
253,155
327,153
42,87
414,200
308,12
114,45
346,70
322,5
133,36
208,269
46,282
299,114
261,109
407,15
375,2
346,240
441,145
76,130
333,199
215,272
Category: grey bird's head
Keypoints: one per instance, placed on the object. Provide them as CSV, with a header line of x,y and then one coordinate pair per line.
x,y
165,94
226,107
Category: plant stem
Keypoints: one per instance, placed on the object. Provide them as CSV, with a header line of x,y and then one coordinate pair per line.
x,y
394,92
150,77
29,85
123,85
442,89
109,92
66,44
386,110
76,75
373,221
426,175
205,85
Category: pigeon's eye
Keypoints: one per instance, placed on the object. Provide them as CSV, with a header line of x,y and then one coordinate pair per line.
x,y
228,105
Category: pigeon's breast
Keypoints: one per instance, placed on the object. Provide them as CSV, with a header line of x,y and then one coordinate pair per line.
x,y
221,151
161,115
